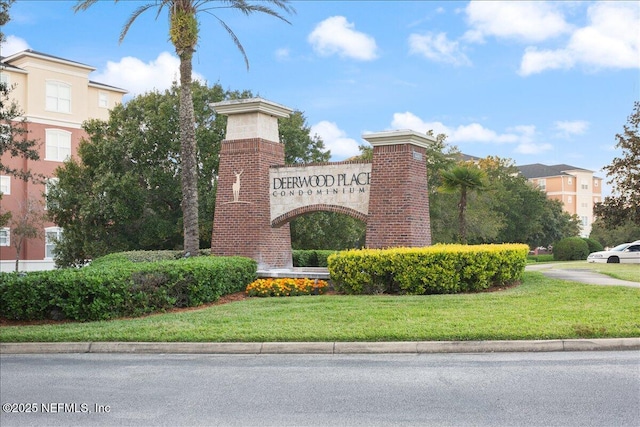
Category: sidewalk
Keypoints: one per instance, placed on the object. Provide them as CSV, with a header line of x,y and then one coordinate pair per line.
x,y
580,275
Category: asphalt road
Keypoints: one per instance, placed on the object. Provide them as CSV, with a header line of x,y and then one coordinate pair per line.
x,y
498,389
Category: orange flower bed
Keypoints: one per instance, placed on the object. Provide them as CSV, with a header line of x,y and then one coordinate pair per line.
x,y
286,287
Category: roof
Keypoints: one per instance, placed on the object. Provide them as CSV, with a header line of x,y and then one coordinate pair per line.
x,y
31,52
6,63
538,170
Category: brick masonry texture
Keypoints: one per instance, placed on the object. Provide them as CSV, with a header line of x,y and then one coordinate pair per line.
x,y
399,200
244,227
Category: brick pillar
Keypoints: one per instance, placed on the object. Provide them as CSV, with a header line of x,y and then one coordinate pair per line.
x,y
399,198
242,224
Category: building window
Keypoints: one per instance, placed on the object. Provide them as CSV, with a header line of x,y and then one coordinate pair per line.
x,y
58,145
569,180
569,199
584,205
4,237
5,184
52,235
4,78
595,183
58,97
596,200
585,221
542,184
585,185
103,100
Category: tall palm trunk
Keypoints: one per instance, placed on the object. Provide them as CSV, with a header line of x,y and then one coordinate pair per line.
x,y
188,157
462,224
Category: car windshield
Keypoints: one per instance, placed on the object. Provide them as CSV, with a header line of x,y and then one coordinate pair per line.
x,y
621,247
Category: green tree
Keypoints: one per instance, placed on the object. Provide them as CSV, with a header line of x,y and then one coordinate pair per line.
x,y
624,174
123,191
608,236
184,35
463,178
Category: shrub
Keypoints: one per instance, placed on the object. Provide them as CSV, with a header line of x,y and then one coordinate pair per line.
x,y
311,258
570,249
285,287
594,245
432,270
116,287
540,258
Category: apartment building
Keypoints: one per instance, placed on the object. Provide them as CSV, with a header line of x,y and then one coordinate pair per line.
x,y
576,188
56,97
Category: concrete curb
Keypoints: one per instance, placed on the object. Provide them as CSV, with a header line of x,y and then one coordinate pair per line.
x,y
410,347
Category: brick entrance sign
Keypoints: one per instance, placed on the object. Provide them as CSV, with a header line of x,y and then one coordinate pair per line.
x,y
257,195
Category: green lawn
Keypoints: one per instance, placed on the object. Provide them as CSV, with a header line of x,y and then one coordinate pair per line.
x,y
540,308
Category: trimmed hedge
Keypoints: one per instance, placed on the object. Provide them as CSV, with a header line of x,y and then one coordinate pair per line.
x,y
439,269
570,249
311,258
118,288
594,245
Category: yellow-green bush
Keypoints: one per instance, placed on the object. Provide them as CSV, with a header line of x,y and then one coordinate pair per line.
x,y
438,269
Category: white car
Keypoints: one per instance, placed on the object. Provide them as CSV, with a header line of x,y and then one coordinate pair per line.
x,y
624,253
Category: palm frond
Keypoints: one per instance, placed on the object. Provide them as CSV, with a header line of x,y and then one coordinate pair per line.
x,y
134,16
235,39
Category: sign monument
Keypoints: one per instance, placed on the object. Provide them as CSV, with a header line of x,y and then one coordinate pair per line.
x,y
257,195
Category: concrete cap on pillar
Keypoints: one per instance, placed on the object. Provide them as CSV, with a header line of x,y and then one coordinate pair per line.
x,y
251,105
402,136
252,118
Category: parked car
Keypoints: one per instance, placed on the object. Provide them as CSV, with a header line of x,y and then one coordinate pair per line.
x,y
624,253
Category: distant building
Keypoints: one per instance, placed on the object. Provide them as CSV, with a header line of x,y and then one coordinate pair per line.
x,y
56,97
576,188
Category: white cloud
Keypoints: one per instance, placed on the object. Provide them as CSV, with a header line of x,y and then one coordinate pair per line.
x,y
609,41
568,128
335,35
526,21
524,135
12,45
139,77
336,140
437,48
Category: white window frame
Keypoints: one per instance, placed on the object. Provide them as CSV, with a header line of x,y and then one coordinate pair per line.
x,y
585,185
595,183
49,246
4,78
569,180
58,97
103,100
569,199
542,184
5,184
57,145
5,236
585,220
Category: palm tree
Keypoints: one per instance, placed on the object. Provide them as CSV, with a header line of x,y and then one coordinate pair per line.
x,y
184,35
463,178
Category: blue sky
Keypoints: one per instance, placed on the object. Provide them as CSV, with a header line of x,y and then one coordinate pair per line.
x,y
547,82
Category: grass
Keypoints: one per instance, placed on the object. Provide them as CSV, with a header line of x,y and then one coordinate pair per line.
x,y
540,308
